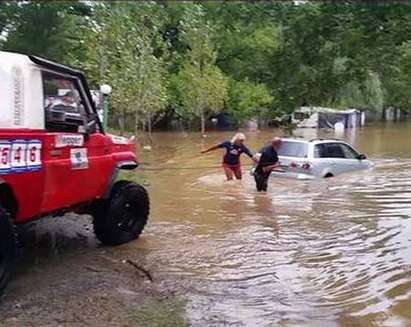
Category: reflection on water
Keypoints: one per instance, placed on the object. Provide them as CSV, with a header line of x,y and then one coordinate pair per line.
x,y
324,252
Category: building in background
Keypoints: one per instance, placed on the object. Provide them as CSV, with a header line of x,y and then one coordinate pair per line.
x,y
321,117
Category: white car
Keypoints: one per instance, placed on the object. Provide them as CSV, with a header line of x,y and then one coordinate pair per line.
x,y
308,159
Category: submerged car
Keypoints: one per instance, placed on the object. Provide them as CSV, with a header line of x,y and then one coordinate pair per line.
x,y
317,158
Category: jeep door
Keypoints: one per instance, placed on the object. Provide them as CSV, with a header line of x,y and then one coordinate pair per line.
x,y
76,162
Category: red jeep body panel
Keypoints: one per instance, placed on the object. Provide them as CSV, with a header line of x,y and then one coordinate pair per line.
x,y
58,182
49,164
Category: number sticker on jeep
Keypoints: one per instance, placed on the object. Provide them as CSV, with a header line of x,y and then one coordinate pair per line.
x,y
20,156
5,150
33,155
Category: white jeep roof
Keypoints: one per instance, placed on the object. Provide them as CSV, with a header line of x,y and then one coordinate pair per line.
x,y
21,89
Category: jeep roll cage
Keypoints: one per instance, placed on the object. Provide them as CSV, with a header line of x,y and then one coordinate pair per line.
x,y
59,68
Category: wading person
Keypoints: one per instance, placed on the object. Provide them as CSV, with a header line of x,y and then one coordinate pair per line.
x,y
231,159
268,161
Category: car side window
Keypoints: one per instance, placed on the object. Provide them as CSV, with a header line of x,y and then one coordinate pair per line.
x,y
320,151
329,150
349,152
334,150
62,104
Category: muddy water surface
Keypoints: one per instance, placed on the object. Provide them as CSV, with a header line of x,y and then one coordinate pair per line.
x,y
326,252
307,253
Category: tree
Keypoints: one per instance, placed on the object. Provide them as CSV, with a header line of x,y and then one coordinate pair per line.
x,y
8,10
48,29
247,100
203,87
198,95
198,58
401,82
124,52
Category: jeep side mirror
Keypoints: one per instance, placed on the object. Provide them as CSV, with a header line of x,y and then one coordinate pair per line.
x,y
361,157
91,124
89,127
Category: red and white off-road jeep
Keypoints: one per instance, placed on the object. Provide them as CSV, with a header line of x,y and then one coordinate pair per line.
x,y
55,156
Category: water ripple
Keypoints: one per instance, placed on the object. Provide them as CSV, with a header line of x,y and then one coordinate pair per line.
x,y
326,252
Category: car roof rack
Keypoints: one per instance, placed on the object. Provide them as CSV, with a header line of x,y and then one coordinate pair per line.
x,y
324,139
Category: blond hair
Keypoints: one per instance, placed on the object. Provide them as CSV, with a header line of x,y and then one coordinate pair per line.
x,y
237,137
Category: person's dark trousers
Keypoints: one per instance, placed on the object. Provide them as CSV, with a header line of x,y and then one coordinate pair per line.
x,y
261,181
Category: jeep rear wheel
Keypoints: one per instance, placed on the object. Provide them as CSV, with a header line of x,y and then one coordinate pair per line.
x,y
7,248
122,217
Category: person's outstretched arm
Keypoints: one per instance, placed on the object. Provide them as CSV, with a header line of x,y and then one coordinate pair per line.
x,y
250,154
211,149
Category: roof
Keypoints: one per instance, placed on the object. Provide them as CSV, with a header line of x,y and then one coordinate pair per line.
x,y
21,92
14,59
11,59
292,139
314,140
21,89
327,110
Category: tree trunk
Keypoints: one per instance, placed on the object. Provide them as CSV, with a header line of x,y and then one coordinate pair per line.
x,y
135,122
122,121
202,100
149,123
202,122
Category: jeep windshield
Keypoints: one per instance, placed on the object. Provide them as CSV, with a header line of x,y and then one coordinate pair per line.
x,y
293,149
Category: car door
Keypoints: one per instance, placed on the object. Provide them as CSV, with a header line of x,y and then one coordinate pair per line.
x,y
330,159
352,158
341,157
69,153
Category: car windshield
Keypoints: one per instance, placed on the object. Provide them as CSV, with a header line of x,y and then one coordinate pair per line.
x,y
293,149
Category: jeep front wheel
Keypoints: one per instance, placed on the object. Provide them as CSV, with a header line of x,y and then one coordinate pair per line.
x,y
122,217
7,248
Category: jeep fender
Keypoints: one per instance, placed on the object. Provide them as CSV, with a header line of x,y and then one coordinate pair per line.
x,y
125,165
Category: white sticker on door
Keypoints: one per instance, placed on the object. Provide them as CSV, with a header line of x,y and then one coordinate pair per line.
x,y
79,158
69,140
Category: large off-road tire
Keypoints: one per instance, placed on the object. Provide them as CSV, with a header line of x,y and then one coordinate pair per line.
x,y
7,248
122,217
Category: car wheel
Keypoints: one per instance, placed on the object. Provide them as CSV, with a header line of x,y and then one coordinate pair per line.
x,y
122,217
8,241
328,175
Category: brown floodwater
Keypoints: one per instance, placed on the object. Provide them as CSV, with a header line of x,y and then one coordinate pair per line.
x,y
321,253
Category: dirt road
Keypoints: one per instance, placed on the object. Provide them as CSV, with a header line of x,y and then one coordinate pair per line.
x,y
65,278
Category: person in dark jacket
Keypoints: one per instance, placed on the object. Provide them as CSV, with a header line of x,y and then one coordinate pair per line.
x,y
267,162
231,159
